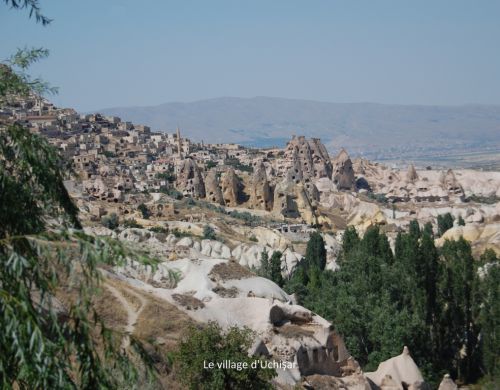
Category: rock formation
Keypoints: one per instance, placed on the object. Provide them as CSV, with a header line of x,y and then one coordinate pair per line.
x,y
190,180
261,196
450,183
293,198
343,172
447,383
213,190
310,157
230,188
411,175
399,372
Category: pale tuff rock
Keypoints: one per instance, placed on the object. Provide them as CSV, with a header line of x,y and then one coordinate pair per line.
x,y
230,188
450,183
212,187
286,332
411,175
398,373
292,199
261,196
190,180
447,383
310,157
343,172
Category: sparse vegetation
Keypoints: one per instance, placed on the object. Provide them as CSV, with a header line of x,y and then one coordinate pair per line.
x,y
131,223
144,211
110,221
209,233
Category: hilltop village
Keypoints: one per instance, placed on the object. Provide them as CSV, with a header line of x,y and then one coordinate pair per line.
x,y
209,211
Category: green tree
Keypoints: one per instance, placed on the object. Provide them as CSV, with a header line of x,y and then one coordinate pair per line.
x,y
264,269
211,344
43,252
209,233
444,222
110,221
315,251
275,268
461,221
489,317
144,211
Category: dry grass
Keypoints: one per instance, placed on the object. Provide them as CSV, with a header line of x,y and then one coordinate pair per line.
x,y
229,270
225,292
293,331
188,301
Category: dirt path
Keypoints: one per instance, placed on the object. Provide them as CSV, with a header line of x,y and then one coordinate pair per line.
x,y
132,311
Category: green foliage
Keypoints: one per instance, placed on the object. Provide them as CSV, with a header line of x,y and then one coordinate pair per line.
x,y
212,344
14,81
444,222
461,221
211,164
158,229
245,216
316,252
33,7
209,233
379,198
428,299
236,164
489,317
144,211
44,344
271,268
168,176
110,221
253,238
175,194
264,269
483,199
131,223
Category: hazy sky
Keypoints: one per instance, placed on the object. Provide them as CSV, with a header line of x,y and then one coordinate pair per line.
x,y
108,53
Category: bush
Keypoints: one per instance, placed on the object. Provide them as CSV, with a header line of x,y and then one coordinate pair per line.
x,y
131,223
110,221
209,233
211,164
253,238
172,192
144,211
211,345
158,229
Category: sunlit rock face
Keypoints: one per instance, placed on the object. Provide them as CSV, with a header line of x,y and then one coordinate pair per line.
x,y
190,180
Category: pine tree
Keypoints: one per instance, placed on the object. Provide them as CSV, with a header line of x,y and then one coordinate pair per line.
x,y
316,252
275,268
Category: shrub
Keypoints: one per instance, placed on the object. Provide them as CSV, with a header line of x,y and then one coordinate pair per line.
x,y
131,223
211,344
144,211
158,229
110,221
209,233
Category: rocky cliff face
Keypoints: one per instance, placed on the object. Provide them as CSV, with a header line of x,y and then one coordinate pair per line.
x,y
212,187
190,180
309,156
261,196
343,172
230,188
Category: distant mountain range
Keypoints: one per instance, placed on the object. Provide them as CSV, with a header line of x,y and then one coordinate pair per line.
x,y
363,128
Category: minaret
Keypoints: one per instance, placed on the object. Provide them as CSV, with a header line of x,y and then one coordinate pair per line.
x,y
179,146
